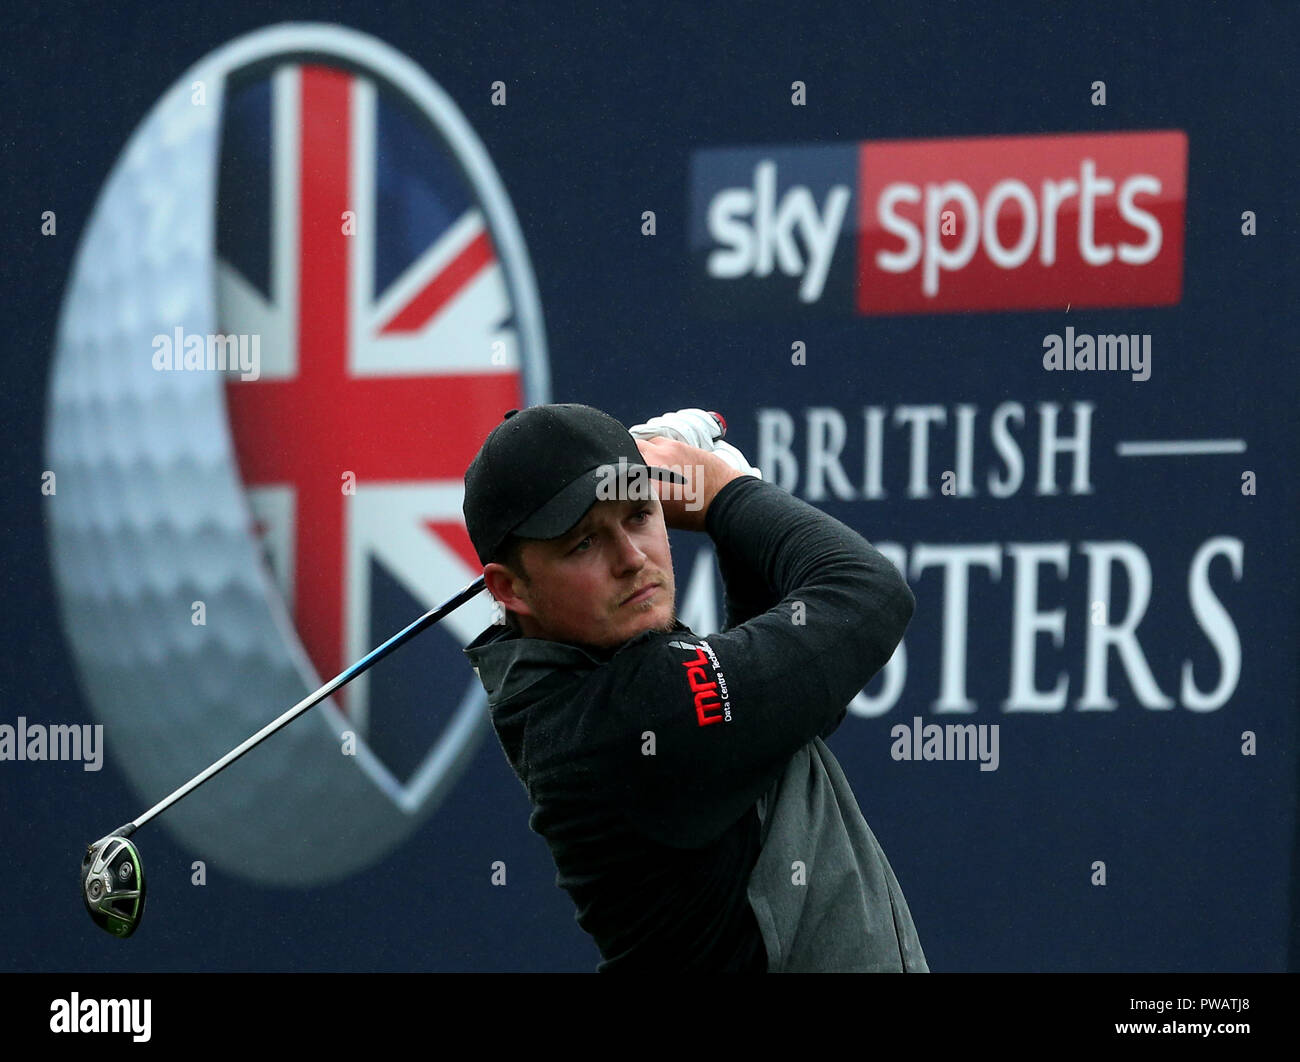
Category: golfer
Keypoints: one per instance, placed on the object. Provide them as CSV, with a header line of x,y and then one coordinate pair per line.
x,y
695,815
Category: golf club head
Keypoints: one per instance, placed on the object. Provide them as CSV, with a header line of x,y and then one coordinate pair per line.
x,y
112,884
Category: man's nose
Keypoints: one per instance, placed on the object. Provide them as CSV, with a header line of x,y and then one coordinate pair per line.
x,y
628,556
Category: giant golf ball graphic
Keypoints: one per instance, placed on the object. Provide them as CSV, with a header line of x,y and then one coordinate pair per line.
x,y
150,517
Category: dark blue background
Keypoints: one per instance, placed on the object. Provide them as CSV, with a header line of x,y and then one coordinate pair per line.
x,y
605,108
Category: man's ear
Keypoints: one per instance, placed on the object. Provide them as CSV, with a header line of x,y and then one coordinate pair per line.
x,y
504,585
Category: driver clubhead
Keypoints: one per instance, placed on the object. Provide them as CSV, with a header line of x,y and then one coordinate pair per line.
x,y
112,884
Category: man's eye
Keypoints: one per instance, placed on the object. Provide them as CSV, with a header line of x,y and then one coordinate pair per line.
x,y
647,513
580,547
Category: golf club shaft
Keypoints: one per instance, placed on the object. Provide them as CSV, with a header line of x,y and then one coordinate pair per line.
x,y
364,664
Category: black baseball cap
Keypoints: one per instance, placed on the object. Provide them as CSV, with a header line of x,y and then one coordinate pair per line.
x,y
537,473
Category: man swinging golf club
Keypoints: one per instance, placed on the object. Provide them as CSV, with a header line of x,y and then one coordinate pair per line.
x,y
694,813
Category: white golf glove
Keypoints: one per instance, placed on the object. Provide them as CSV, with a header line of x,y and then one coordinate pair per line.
x,y
698,428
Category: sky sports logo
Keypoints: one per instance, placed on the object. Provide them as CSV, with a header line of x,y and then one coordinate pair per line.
x,y
938,226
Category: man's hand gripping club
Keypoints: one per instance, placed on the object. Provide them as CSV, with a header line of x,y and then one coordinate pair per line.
x,y
689,441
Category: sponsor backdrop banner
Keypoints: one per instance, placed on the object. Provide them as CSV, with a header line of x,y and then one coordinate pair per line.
x,y
1011,296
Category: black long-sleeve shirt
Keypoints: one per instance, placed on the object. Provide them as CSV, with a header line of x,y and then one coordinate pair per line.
x,y
672,776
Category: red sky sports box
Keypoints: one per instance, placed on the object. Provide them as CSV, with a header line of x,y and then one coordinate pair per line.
x,y
935,226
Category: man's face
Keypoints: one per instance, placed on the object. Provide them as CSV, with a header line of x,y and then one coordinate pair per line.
x,y
590,586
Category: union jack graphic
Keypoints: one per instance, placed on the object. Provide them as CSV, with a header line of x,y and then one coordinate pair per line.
x,y
351,241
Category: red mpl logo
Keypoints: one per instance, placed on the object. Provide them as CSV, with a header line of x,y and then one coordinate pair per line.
x,y
708,705
1024,222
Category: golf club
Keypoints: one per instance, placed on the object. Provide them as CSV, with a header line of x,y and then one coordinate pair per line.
x,y
112,875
